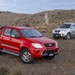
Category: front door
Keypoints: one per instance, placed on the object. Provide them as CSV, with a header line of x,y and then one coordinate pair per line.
x,y
15,40
73,30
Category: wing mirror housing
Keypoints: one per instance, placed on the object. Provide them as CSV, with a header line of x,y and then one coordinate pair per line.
x,y
72,27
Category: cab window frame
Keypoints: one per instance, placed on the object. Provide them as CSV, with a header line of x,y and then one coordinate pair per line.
x,y
13,32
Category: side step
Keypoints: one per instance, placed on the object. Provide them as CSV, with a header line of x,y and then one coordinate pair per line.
x,y
9,52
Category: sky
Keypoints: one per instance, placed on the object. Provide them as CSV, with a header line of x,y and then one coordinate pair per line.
x,y
35,6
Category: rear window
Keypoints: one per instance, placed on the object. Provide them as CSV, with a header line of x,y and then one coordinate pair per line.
x,y
7,32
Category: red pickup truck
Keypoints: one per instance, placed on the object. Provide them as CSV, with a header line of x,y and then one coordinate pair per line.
x,y
27,43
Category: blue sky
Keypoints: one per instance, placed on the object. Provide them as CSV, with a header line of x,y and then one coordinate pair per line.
x,y
34,6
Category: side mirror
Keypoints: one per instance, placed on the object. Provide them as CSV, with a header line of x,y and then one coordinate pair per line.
x,y
72,27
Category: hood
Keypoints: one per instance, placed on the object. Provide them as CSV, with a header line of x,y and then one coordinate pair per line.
x,y
42,40
62,29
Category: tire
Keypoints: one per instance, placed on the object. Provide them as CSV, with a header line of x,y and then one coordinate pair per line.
x,y
68,36
26,56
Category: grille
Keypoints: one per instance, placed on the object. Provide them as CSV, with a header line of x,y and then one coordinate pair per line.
x,y
49,45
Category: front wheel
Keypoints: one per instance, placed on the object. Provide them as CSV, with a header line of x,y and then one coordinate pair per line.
x,y
68,36
26,56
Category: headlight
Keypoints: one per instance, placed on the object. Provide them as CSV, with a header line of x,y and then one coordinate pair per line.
x,y
56,44
37,45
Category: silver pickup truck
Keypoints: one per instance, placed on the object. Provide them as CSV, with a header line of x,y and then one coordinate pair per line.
x,y
66,30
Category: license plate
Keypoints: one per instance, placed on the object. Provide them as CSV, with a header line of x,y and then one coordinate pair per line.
x,y
56,35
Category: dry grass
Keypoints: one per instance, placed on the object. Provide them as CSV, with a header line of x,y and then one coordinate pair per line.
x,y
17,71
4,70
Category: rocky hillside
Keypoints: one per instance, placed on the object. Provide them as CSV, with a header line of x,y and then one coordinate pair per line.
x,y
7,18
44,21
47,20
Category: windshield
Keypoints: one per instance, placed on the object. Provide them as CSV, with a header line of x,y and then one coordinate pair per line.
x,y
65,26
30,33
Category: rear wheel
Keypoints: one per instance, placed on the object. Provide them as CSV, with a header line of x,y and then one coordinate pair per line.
x,y
26,56
68,36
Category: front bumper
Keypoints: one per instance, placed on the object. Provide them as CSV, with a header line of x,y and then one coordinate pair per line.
x,y
58,35
50,53
43,53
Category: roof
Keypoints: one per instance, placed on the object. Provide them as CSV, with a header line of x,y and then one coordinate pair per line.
x,y
19,27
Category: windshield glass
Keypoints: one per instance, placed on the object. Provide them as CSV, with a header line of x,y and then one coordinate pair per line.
x,y
30,33
65,26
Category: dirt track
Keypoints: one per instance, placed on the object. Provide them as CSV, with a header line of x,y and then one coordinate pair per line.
x,y
62,64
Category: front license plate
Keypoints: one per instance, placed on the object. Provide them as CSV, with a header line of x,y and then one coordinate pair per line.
x,y
56,35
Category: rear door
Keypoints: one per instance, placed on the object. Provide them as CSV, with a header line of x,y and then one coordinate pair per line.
x,y
5,38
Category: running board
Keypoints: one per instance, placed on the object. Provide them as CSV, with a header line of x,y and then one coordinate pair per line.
x,y
9,52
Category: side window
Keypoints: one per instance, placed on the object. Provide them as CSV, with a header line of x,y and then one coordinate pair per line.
x,y
15,33
7,32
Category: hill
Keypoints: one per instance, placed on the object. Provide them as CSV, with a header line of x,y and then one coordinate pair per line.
x,y
62,64
7,18
44,21
47,20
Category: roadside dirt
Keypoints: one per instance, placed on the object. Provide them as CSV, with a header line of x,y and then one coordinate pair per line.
x,y
62,64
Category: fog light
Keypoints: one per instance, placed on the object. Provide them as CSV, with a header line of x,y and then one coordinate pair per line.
x,y
62,34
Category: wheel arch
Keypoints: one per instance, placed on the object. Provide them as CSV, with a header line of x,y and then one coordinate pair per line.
x,y
69,33
22,48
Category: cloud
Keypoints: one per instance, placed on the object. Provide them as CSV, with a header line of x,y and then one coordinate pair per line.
x,y
34,6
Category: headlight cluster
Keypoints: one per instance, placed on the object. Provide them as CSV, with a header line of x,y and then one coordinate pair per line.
x,y
37,45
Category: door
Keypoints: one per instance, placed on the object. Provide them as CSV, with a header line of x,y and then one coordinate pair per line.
x,y
15,40
73,30
5,38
